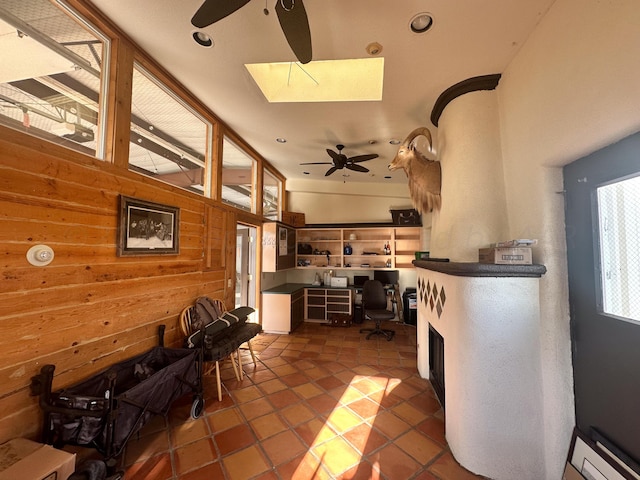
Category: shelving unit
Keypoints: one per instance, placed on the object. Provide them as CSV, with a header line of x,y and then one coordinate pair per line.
x,y
326,246
406,243
367,245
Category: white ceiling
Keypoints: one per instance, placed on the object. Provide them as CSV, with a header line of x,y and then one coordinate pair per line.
x,y
468,38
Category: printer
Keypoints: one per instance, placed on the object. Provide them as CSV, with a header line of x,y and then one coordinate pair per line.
x,y
338,281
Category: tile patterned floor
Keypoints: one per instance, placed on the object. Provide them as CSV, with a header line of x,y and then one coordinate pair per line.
x,y
322,403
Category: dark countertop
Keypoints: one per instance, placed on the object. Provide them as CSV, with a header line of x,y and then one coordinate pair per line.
x,y
482,269
289,288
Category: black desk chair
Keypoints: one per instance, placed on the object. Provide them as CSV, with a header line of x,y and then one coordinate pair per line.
x,y
374,306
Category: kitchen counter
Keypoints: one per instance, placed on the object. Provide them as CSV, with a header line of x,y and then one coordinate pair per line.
x,y
289,288
286,288
286,306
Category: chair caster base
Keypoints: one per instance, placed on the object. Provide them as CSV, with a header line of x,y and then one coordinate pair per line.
x,y
388,334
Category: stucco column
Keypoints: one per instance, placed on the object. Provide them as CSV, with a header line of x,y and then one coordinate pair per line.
x,y
473,213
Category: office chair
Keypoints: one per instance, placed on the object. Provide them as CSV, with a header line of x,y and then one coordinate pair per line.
x,y
374,306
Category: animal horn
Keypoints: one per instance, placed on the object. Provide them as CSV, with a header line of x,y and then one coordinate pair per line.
x,y
416,133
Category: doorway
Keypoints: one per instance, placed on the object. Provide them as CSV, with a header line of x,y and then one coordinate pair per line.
x,y
246,245
603,234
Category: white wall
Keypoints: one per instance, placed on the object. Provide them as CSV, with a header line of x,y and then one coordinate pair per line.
x,y
573,88
473,213
338,202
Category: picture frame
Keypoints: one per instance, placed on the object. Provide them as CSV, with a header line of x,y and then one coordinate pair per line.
x,y
570,473
591,462
147,228
618,456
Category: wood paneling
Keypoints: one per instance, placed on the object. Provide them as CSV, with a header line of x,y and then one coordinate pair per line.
x,y
90,308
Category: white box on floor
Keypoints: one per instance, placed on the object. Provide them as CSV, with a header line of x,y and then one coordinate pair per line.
x,y
27,460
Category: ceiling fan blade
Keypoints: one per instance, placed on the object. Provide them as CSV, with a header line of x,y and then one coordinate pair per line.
x,y
295,26
330,171
213,10
317,163
363,158
357,168
335,156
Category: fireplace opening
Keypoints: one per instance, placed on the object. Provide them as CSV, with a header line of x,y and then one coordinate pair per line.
x,y
436,363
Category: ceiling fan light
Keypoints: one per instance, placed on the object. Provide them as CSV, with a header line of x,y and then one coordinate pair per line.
x,y
202,39
421,22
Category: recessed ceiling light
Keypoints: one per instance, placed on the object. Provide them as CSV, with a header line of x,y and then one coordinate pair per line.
x,y
387,176
372,142
421,22
306,173
281,140
393,141
202,39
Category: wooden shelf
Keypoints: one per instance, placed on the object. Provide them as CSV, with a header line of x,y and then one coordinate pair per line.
x,y
402,241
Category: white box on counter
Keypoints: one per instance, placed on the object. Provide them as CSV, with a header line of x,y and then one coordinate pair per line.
x,y
505,255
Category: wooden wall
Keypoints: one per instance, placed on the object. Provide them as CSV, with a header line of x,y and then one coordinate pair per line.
x,y
90,308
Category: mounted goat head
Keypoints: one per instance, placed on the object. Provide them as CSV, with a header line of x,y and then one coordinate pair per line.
x,y
424,174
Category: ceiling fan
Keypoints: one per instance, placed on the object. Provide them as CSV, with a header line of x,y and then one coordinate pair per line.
x,y
340,161
291,15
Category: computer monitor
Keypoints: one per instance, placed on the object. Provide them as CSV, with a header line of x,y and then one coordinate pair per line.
x,y
358,280
386,277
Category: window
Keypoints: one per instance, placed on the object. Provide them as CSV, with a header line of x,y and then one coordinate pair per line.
x,y
168,139
238,177
619,228
271,187
51,79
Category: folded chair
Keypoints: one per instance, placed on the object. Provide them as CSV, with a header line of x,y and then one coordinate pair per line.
x,y
374,306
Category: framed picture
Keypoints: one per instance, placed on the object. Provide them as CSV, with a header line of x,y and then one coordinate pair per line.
x,y
590,461
619,457
570,473
147,228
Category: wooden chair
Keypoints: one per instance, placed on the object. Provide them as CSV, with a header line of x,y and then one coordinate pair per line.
x,y
211,364
232,351
223,308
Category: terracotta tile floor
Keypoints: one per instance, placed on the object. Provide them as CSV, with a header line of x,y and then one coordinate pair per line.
x,y
322,403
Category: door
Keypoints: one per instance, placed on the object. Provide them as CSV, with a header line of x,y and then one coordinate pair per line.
x,y
603,245
245,266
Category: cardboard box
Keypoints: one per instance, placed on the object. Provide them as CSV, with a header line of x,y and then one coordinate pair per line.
x,y
339,320
26,460
505,256
293,218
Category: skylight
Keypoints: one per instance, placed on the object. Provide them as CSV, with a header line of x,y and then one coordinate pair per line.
x,y
352,80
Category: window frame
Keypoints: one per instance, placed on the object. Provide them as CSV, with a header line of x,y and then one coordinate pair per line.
x,y
169,87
